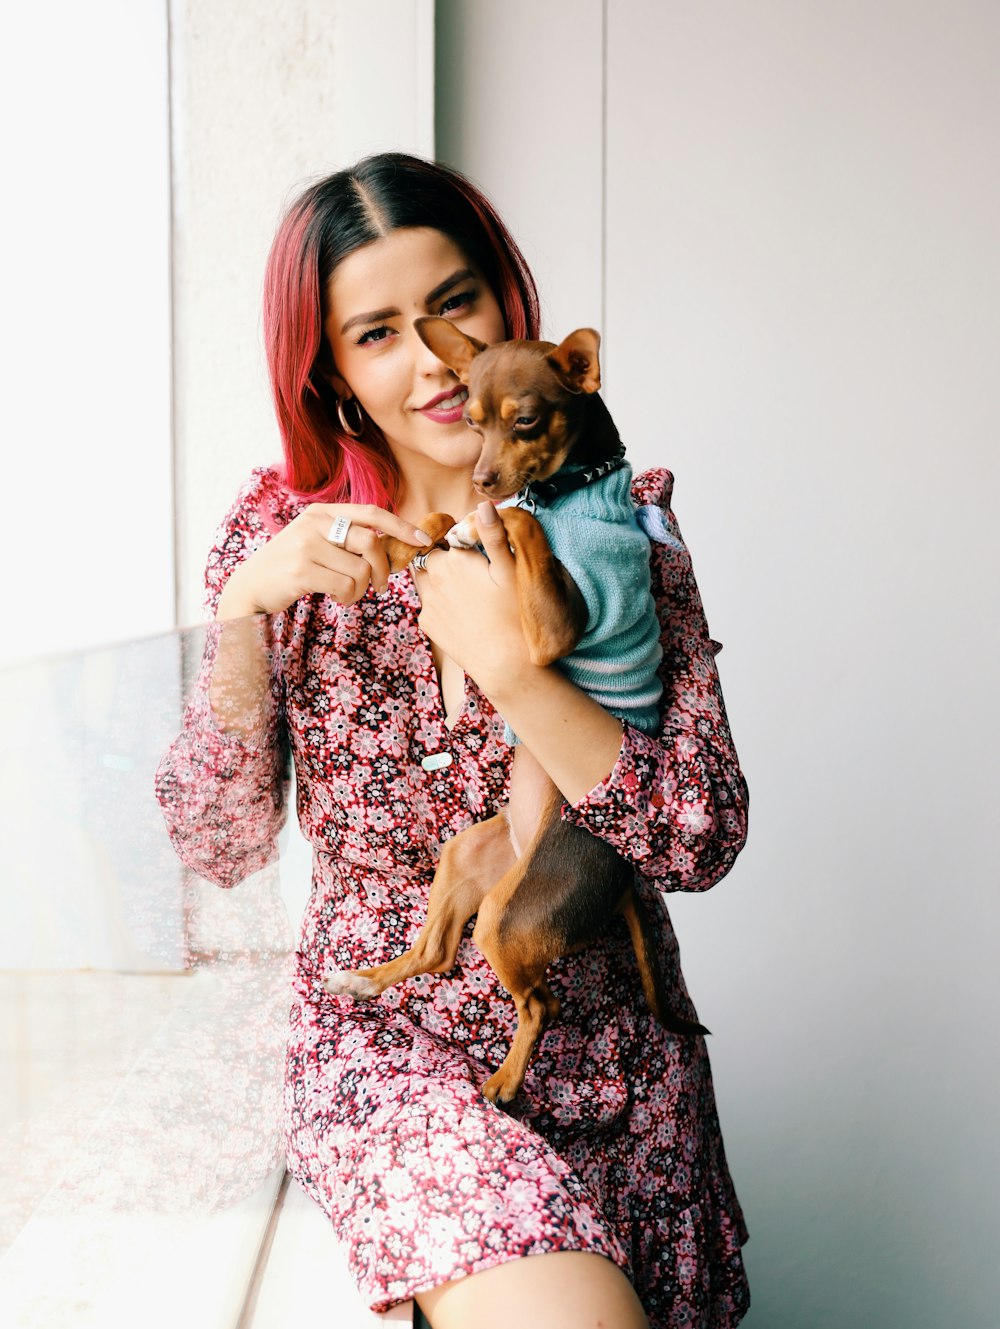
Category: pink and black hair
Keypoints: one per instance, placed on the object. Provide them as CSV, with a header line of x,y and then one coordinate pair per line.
x,y
332,219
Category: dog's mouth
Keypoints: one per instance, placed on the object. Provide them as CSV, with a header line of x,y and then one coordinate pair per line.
x,y
498,487
496,491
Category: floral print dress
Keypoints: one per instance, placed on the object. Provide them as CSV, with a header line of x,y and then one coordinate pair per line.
x,y
614,1144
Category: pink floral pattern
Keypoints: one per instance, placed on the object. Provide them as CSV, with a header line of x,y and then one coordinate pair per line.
x,y
614,1146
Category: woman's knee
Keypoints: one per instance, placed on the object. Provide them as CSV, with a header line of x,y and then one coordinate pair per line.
x,y
561,1290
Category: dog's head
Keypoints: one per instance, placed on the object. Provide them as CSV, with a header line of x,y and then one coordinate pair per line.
x,y
525,400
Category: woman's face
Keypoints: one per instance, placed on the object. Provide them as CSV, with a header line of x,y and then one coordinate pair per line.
x,y
373,297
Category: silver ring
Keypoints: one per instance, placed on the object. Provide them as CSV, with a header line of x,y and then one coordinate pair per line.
x,y
420,561
337,534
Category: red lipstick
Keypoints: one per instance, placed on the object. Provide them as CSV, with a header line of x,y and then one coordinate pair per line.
x,y
446,415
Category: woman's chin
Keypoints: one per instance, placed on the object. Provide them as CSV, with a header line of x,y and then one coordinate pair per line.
x,y
452,446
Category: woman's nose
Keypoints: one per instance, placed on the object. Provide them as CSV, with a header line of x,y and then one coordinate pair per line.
x,y
426,361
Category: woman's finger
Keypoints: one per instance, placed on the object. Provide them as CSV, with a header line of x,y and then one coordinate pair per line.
x,y
345,583
344,535
367,515
493,538
419,569
366,545
362,559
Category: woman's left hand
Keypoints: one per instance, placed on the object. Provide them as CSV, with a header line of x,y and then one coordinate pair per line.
x,y
470,608
470,611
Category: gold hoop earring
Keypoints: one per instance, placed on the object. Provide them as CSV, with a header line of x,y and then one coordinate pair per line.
x,y
352,431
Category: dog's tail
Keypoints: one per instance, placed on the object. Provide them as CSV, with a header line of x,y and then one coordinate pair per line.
x,y
653,986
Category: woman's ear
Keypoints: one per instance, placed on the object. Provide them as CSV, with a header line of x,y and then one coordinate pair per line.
x,y
324,370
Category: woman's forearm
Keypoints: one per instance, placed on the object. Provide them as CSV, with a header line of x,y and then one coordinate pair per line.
x,y
573,738
240,688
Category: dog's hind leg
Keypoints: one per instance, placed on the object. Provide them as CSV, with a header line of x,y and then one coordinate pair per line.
x,y
523,975
519,953
470,864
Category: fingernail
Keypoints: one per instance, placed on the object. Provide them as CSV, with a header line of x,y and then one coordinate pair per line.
x,y
488,514
422,537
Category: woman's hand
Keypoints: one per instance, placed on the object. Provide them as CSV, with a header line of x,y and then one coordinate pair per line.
x,y
300,560
470,610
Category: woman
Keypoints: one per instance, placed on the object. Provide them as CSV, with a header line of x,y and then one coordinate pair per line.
x,y
390,690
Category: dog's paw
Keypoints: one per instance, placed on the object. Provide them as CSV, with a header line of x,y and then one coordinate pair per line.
x,y
502,1087
347,983
463,535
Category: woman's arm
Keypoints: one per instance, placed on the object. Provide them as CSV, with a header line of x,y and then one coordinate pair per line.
x,y
222,784
673,803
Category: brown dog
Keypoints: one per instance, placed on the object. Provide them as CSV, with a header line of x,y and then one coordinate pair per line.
x,y
542,887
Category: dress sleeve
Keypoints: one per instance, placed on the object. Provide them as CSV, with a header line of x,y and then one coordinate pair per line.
x,y
222,787
675,803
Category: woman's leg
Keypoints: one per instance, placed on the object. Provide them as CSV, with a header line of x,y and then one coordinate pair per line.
x,y
562,1290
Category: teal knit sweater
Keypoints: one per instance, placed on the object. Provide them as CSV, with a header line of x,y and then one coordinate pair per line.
x,y
594,533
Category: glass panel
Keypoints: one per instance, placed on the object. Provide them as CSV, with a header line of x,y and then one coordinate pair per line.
x,y
142,1008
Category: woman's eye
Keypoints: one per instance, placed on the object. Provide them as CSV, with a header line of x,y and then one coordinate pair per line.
x,y
373,335
458,301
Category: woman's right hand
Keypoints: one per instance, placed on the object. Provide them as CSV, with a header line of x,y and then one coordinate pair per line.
x,y
300,560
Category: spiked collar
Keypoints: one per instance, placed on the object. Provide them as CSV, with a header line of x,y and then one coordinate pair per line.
x,y
566,480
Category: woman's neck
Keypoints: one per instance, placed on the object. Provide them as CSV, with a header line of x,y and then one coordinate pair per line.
x,y
451,492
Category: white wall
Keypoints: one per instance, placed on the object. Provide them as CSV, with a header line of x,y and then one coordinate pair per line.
x,y
526,123
802,286
86,538
266,97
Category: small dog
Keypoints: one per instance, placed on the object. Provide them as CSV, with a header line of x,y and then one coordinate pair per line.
x,y
541,887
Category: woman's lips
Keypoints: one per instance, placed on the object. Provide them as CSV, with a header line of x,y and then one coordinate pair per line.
x,y
447,407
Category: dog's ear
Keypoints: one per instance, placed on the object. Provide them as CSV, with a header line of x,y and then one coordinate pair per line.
x,y
451,346
575,360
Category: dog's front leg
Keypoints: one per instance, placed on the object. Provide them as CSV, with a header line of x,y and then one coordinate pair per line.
x,y
553,612
470,864
400,555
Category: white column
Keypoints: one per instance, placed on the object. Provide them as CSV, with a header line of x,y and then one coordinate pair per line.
x,y
86,530
266,97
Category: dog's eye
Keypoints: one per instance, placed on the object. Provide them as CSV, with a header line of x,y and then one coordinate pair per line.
x,y
525,421
470,422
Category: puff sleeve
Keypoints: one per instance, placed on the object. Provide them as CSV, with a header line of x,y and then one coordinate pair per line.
x,y
675,804
223,790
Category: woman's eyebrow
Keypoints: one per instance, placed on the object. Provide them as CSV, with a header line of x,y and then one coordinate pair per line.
x,y
461,275
373,317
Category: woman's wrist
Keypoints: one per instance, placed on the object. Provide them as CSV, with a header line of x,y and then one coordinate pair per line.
x,y
573,738
236,601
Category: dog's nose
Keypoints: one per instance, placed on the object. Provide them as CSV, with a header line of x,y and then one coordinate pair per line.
x,y
485,481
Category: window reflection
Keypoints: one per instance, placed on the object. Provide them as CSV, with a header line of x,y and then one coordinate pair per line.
x,y
143,1009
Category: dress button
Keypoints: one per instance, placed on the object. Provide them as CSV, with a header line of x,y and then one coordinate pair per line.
x,y
436,761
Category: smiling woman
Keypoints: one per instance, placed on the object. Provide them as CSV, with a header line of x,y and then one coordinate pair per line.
x,y
336,220
412,398
391,692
